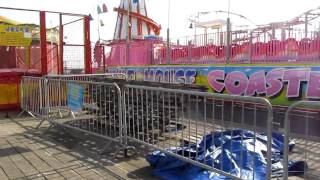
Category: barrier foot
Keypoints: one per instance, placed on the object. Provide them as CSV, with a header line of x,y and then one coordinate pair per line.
x,y
40,123
105,148
31,114
23,111
125,150
48,129
118,149
20,114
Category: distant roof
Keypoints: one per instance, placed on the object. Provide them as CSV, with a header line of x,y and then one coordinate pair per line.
x,y
215,24
6,20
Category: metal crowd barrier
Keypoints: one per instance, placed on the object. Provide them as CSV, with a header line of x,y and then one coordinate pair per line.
x,y
162,118
302,122
32,92
91,107
159,118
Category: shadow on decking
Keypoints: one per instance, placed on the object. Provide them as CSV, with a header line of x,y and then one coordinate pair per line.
x,y
87,149
12,151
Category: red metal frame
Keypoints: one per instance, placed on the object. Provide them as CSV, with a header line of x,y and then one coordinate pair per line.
x,y
87,46
43,40
43,43
60,61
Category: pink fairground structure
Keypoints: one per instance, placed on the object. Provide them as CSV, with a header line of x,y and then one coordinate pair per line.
x,y
283,42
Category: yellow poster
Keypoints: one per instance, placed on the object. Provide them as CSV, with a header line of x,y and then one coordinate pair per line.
x,y
15,35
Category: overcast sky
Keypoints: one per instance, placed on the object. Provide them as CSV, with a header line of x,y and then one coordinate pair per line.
x,y
259,11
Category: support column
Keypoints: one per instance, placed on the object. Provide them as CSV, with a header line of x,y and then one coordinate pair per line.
x,y
87,46
60,60
43,43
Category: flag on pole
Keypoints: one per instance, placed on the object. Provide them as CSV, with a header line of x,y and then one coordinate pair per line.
x,y
104,8
90,17
99,9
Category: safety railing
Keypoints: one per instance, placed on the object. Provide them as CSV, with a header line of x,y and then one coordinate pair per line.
x,y
32,92
91,107
35,99
178,122
302,124
191,126
89,77
245,48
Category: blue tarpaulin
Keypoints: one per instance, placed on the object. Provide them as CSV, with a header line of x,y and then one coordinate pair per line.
x,y
237,152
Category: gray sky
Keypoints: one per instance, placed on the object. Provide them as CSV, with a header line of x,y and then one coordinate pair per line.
x,y
259,11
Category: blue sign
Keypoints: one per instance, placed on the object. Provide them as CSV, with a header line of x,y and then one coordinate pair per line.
x,y
75,96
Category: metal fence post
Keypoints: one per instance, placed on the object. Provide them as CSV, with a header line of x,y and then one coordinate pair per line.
x,y
40,96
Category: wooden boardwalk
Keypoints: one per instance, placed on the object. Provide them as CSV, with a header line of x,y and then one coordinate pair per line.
x,y
28,153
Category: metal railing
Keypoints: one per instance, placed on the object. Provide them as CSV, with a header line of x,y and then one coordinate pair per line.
x,y
246,47
32,92
91,107
302,123
88,77
163,118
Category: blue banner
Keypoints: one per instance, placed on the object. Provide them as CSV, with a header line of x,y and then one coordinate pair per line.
x,y
75,96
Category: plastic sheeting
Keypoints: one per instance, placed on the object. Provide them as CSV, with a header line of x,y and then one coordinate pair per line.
x,y
241,153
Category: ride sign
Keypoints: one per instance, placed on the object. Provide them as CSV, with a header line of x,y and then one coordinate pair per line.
x,y
15,35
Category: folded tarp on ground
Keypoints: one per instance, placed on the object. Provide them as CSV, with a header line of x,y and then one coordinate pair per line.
x,y
241,153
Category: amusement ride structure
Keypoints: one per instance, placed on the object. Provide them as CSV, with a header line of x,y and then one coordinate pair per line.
x,y
139,88
137,30
137,50
271,43
266,49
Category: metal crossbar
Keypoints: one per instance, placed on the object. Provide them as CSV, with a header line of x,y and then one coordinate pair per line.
x,y
88,77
